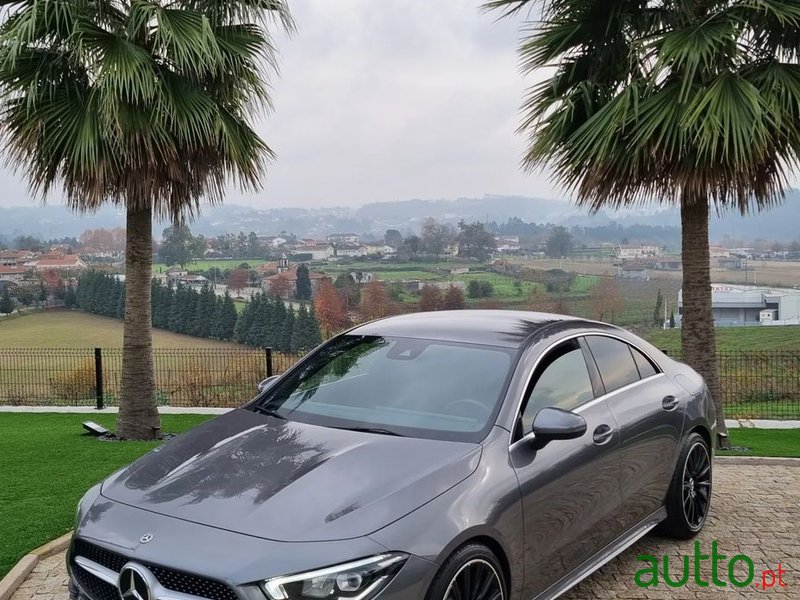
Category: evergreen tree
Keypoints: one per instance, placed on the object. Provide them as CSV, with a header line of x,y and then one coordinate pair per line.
x,y
177,308
298,341
225,318
258,331
118,310
190,314
277,318
204,315
6,304
657,318
285,342
314,331
244,322
71,298
304,290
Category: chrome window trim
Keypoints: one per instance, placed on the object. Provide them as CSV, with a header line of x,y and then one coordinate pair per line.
x,y
543,353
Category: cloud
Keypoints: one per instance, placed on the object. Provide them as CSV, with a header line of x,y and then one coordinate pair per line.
x,y
389,99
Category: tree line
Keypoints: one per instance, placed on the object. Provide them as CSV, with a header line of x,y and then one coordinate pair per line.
x,y
181,309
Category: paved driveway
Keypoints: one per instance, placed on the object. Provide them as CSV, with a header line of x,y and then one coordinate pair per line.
x,y
755,512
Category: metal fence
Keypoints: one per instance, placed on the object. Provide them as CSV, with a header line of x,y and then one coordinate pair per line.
x,y
759,384
754,385
214,377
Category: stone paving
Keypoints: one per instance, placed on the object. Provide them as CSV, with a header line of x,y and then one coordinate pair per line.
x,y
755,511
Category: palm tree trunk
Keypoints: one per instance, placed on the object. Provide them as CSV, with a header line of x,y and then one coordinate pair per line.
x,y
698,339
138,417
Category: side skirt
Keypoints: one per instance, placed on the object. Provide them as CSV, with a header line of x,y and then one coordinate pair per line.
x,y
608,553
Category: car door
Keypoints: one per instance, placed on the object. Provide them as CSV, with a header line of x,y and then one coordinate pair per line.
x,y
569,488
649,411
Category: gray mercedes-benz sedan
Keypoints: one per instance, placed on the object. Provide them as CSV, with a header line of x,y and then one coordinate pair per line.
x,y
466,455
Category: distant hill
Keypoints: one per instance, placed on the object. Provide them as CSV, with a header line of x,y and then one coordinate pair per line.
x,y
373,219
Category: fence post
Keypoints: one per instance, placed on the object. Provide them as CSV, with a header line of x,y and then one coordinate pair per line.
x,y
268,360
98,377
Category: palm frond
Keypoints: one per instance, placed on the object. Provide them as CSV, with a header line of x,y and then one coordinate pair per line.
x,y
662,101
137,102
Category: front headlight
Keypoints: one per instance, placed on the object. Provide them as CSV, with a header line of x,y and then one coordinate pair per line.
x,y
357,580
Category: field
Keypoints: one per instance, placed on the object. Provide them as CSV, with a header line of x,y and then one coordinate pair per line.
x,y
775,273
732,339
77,329
205,265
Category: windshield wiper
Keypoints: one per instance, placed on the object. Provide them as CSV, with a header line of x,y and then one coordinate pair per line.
x,y
268,411
372,430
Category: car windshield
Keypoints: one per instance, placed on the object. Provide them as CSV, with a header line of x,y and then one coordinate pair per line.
x,y
402,386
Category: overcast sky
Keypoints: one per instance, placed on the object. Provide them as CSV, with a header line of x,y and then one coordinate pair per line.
x,y
388,100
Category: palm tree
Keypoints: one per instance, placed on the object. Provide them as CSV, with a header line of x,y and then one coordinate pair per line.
x,y
144,104
694,104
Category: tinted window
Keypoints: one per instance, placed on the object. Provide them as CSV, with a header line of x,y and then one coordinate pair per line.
x,y
563,382
614,360
646,368
413,387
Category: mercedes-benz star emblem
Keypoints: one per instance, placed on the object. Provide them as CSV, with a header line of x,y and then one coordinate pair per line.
x,y
147,537
132,583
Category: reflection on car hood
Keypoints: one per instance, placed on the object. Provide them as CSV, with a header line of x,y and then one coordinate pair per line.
x,y
289,481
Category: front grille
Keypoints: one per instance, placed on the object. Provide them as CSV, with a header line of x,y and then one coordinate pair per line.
x,y
96,588
192,584
177,581
107,558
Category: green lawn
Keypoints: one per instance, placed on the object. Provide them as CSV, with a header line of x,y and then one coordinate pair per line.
x,y
766,442
736,338
77,329
47,465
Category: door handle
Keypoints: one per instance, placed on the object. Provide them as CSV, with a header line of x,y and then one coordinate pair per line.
x,y
670,403
602,434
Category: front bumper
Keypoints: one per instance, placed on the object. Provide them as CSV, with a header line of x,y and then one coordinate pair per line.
x,y
189,561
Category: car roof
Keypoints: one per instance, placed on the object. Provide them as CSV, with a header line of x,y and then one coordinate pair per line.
x,y
507,328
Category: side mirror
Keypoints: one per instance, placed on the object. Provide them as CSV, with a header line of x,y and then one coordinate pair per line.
x,y
267,383
557,424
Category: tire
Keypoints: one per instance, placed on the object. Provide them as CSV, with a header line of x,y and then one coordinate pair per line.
x,y
467,575
689,496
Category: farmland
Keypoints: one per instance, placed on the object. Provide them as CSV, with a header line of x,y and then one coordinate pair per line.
x,y
731,339
77,329
773,273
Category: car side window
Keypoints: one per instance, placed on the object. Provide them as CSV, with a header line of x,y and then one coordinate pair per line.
x,y
614,361
646,368
561,381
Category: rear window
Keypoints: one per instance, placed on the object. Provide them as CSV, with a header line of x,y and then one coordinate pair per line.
x,y
646,368
614,361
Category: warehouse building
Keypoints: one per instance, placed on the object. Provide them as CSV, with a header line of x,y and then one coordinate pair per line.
x,y
740,305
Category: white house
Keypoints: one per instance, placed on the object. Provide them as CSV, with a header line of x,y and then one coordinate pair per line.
x,y
354,250
508,243
343,238
638,251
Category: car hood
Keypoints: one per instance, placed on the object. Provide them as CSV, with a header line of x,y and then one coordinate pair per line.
x,y
290,481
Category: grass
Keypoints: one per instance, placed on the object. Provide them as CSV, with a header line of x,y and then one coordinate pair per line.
x,y
205,265
47,465
765,442
737,338
77,329
766,409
